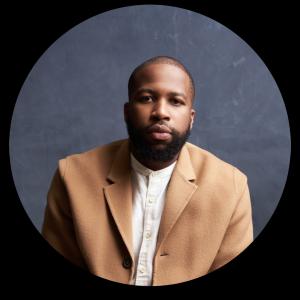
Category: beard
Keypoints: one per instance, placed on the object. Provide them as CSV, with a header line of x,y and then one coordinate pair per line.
x,y
160,151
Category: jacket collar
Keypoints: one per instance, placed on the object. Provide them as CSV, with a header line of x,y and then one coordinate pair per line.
x,y
121,164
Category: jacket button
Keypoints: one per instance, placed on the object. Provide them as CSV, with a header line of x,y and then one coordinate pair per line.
x,y
127,262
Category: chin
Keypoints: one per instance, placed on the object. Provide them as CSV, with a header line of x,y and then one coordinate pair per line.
x,y
159,144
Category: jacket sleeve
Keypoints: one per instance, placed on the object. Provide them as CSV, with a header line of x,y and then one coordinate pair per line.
x,y
58,227
239,233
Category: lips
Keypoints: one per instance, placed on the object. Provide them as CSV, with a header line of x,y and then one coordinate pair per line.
x,y
159,132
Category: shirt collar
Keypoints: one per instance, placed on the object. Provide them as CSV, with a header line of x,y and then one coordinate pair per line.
x,y
141,169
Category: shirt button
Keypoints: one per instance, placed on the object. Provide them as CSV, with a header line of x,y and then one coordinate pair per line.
x,y
151,199
142,270
127,262
148,235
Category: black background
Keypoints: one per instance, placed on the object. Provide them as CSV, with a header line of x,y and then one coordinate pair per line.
x,y
31,265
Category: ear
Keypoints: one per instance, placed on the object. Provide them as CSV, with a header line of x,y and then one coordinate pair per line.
x,y
193,113
126,111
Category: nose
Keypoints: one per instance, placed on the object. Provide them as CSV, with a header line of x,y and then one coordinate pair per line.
x,y
160,111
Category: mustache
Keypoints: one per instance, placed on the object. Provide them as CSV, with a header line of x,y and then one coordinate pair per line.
x,y
161,126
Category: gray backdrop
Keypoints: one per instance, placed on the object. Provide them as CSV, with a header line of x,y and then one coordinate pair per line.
x,y
72,100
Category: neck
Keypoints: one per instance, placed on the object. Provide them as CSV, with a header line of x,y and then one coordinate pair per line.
x,y
152,164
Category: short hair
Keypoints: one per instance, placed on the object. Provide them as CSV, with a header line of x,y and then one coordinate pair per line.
x,y
160,60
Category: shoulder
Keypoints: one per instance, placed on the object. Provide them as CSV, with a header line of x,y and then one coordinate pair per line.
x,y
208,165
89,160
105,151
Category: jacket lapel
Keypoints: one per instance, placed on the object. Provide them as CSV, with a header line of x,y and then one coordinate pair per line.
x,y
180,191
119,194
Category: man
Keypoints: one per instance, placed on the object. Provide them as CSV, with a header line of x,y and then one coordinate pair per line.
x,y
153,209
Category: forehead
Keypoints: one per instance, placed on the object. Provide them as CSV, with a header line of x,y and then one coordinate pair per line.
x,y
162,74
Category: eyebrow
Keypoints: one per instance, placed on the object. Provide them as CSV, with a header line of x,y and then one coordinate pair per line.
x,y
177,94
146,90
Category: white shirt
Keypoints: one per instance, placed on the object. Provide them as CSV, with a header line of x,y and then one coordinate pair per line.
x,y
149,190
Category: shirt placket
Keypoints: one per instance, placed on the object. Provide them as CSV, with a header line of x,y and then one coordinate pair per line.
x,y
144,267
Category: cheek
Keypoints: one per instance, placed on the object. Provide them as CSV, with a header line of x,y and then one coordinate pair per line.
x,y
139,114
182,121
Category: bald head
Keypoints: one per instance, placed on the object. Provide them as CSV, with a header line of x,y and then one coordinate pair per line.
x,y
160,60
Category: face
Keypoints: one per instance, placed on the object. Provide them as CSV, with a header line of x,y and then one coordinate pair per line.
x,y
159,114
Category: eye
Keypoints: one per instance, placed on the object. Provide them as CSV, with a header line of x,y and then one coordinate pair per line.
x,y
176,102
145,99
